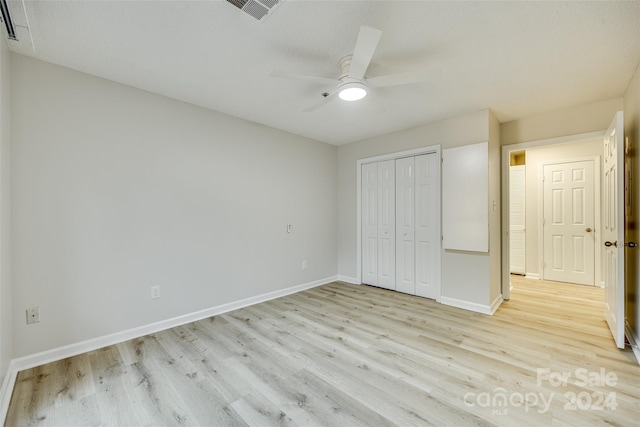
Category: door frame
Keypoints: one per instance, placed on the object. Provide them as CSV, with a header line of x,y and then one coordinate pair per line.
x,y
506,151
597,185
432,149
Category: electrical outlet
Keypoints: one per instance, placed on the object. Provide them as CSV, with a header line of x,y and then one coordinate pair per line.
x,y
155,292
33,315
304,264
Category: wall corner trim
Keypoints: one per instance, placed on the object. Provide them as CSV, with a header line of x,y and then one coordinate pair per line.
x,y
634,340
7,390
472,306
348,279
496,303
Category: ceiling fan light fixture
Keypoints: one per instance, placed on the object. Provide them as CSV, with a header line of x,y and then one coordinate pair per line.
x,y
352,91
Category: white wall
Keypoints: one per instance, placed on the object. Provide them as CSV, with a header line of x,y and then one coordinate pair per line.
x,y
632,131
116,189
5,212
465,275
534,157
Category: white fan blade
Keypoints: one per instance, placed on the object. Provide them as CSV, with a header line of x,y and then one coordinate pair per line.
x,y
366,44
322,103
294,76
399,79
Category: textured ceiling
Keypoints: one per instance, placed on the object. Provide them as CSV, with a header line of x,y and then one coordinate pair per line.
x,y
516,58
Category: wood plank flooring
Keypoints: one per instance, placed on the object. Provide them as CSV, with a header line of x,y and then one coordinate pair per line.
x,y
346,355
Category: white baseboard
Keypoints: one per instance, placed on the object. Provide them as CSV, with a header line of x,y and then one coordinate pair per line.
x,y
37,359
7,390
496,303
633,340
534,276
472,306
348,279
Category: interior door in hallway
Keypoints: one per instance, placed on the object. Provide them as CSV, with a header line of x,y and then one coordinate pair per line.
x,y
568,222
613,235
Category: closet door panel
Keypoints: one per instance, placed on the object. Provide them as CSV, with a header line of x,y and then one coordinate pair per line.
x,y
369,223
405,244
386,225
427,225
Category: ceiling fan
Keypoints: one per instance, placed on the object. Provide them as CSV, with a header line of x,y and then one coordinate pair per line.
x,y
352,85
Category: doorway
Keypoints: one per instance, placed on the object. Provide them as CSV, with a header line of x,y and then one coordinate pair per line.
x,y
559,150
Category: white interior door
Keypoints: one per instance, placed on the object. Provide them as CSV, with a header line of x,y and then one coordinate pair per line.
x,y
386,224
613,234
405,230
568,222
369,223
517,236
427,226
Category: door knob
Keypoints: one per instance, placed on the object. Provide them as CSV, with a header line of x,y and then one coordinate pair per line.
x,y
588,230
607,244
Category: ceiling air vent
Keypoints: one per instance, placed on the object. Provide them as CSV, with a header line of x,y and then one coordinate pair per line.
x,y
256,8
6,18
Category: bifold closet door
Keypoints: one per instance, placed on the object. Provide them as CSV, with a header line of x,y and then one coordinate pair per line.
x,y
418,225
405,230
378,224
386,224
401,225
370,224
427,226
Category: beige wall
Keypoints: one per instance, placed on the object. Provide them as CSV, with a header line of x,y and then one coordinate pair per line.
x,y
115,190
569,121
632,132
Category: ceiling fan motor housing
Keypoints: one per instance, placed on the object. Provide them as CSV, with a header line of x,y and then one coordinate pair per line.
x,y
351,89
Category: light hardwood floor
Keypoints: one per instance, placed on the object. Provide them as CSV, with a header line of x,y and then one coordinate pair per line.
x,y
346,355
